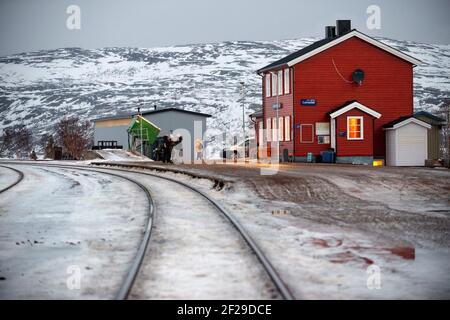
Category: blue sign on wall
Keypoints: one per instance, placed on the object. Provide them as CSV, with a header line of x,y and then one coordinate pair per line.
x,y
296,126
308,102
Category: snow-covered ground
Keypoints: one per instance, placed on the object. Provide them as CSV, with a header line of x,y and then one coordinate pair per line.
x,y
323,228
85,221
60,222
7,177
120,155
330,259
194,251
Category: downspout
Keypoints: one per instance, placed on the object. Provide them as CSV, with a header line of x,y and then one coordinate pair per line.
x,y
336,142
261,143
373,141
293,111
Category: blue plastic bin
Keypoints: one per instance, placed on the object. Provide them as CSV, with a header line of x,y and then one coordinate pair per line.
x,y
328,156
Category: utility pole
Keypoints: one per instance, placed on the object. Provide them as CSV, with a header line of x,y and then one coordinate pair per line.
x,y
243,110
140,122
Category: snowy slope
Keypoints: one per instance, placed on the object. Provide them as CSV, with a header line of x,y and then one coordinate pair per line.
x,y
38,88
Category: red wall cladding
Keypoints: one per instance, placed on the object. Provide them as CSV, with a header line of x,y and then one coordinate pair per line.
x,y
347,147
387,89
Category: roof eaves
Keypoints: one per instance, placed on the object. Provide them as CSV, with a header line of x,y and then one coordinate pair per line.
x,y
176,109
324,44
362,36
400,122
430,116
118,117
352,105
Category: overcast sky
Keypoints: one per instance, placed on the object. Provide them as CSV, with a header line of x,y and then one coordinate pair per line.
x,y
28,25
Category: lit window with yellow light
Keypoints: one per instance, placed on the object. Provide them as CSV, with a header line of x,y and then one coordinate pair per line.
x,y
355,128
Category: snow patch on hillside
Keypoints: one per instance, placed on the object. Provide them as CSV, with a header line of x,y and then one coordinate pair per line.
x,y
38,88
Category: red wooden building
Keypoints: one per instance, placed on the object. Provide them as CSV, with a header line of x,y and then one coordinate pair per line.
x,y
335,94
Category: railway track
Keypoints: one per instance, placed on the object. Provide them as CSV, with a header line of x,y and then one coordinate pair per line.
x,y
255,248
133,271
135,267
18,180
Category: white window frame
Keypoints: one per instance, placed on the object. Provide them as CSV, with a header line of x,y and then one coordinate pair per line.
x,y
280,82
280,128
319,126
361,127
274,84
287,81
268,129
261,133
274,130
287,128
268,85
333,133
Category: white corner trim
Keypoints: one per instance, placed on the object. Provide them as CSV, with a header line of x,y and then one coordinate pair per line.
x,y
357,105
333,134
356,33
409,120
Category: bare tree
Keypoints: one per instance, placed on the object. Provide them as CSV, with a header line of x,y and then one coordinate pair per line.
x,y
49,147
444,112
73,135
16,140
24,141
7,142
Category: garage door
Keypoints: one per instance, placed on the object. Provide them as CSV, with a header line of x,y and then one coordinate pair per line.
x,y
412,145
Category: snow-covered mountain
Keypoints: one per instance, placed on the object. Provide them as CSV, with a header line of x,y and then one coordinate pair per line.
x,y
38,88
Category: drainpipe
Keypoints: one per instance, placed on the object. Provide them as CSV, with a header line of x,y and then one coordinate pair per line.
x,y
291,78
261,143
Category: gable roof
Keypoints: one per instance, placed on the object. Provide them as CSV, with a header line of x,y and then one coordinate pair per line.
x,y
351,105
284,61
130,115
400,122
144,129
325,44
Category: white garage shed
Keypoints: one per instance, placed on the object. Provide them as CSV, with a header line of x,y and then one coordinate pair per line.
x,y
406,142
